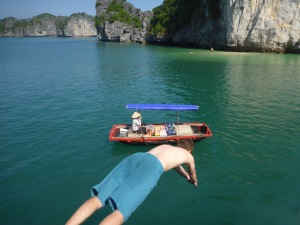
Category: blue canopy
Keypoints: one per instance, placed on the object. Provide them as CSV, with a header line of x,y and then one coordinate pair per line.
x,y
161,107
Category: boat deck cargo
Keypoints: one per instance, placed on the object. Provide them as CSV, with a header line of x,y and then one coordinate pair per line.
x,y
160,133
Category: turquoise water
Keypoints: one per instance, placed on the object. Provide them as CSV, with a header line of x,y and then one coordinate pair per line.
x,y
60,97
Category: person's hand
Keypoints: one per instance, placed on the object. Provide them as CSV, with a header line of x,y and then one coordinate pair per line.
x,y
195,183
192,179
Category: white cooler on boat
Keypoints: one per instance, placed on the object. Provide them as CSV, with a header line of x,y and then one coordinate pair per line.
x,y
123,132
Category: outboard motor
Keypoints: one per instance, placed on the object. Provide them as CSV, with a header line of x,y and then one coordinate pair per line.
x,y
203,129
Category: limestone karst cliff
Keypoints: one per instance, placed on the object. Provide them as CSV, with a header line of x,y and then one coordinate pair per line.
x,y
265,24
118,20
240,25
245,25
80,25
76,25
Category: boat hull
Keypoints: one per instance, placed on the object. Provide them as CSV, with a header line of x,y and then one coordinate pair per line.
x,y
195,131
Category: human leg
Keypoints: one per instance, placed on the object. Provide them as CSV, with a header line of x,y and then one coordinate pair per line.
x,y
115,218
84,211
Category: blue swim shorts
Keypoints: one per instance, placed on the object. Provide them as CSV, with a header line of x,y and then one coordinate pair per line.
x,y
129,183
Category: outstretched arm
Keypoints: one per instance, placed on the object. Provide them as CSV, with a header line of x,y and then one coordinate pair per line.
x,y
192,173
190,177
180,170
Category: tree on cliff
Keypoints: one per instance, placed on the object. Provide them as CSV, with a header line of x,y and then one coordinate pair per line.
x,y
169,17
116,11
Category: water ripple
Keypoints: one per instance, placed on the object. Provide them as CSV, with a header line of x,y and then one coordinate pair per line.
x,y
56,110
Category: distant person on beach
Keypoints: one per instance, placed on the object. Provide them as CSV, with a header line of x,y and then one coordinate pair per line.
x,y
137,123
131,181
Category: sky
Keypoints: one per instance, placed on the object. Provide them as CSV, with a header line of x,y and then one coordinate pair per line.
x,y
23,9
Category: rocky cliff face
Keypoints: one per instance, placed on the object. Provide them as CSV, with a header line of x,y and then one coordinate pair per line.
x,y
43,25
80,25
77,25
270,25
242,25
118,30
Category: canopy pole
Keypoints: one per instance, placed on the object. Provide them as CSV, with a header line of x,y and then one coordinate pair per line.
x,y
177,119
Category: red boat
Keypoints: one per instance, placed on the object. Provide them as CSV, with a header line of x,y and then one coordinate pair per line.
x,y
160,133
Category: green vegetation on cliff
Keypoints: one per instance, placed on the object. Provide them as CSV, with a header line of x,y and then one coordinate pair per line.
x,y
171,15
117,12
42,17
99,20
61,22
2,28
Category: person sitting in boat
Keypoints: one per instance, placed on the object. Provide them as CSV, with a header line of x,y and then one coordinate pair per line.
x,y
137,123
